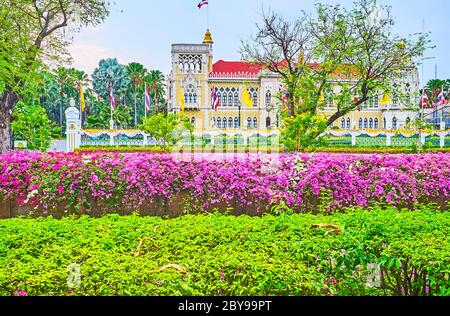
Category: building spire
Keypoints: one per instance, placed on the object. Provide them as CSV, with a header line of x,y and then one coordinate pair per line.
x,y
208,38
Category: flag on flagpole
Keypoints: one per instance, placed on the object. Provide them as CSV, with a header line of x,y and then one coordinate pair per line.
x,y
424,99
111,96
82,101
441,98
215,101
386,99
202,3
247,99
321,98
356,101
181,100
147,99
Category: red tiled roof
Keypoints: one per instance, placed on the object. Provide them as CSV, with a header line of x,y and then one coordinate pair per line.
x,y
233,67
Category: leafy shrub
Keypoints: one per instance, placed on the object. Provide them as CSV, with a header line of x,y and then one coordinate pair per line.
x,y
31,124
223,255
167,129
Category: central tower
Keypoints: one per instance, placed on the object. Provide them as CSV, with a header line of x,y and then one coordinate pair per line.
x,y
191,65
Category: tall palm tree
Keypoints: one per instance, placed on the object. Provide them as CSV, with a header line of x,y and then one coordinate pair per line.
x,y
136,73
156,83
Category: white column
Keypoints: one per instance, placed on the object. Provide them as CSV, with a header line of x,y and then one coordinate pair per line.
x,y
353,139
422,138
442,140
388,139
145,139
111,139
73,124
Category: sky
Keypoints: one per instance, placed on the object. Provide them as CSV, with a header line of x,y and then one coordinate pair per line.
x,y
143,30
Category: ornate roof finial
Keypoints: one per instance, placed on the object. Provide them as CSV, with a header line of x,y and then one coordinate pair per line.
x,y
208,38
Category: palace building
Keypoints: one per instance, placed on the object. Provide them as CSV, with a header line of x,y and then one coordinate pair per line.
x,y
194,74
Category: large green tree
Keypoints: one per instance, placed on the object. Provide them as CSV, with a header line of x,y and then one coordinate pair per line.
x,y
136,73
32,34
434,88
110,72
355,49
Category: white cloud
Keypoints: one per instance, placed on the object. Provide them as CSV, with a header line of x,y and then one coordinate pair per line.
x,y
86,56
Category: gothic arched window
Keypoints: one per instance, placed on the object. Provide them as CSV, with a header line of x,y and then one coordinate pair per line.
x,y
224,99
395,99
268,98
219,122
394,123
230,122
255,122
268,122
376,124
254,95
255,99
195,97
225,125
230,99
343,123
360,123
193,121
370,123
366,123
349,124
236,99
249,123
236,123
384,123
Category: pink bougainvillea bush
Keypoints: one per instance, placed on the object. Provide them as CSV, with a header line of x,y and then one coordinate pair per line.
x,y
108,182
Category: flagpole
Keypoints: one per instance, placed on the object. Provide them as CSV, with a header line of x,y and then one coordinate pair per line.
x,y
207,15
111,123
81,109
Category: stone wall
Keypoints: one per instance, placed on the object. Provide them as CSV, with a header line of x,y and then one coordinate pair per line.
x,y
177,205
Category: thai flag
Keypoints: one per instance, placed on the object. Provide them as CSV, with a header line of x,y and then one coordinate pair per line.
x,y
111,95
215,102
147,99
441,98
424,99
202,3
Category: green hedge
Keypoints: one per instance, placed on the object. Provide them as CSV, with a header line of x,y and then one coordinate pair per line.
x,y
223,255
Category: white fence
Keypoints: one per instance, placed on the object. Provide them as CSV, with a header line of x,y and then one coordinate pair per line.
x,y
390,135
77,137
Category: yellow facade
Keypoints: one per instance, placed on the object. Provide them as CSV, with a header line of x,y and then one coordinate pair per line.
x,y
193,73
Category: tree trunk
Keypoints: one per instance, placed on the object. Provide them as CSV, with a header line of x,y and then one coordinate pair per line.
x,y
335,117
7,102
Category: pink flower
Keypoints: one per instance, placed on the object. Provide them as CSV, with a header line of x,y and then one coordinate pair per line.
x,y
22,293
